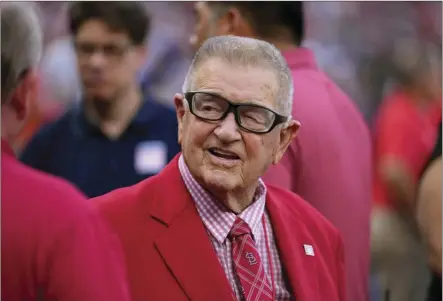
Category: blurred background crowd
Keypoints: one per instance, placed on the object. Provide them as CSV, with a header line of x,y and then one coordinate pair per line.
x,y
378,52
365,47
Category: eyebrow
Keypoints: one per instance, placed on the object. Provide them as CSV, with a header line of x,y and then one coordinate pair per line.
x,y
247,101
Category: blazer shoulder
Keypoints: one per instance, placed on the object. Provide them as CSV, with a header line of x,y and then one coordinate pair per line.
x,y
305,212
123,200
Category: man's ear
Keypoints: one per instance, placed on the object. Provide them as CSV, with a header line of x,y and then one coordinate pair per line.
x,y
142,55
231,22
24,93
180,109
287,134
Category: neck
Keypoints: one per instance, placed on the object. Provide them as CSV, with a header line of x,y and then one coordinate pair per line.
x,y
237,201
10,125
114,116
4,132
284,43
284,46
4,137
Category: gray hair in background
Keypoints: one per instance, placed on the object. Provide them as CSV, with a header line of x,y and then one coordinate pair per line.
x,y
21,43
246,52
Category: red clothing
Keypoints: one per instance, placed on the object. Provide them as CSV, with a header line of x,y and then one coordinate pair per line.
x,y
169,255
404,131
54,245
329,163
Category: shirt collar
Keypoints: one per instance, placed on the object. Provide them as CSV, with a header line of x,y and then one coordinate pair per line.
x,y
7,149
145,115
217,219
300,57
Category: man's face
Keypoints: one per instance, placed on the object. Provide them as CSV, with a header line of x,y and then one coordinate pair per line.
x,y
107,60
219,154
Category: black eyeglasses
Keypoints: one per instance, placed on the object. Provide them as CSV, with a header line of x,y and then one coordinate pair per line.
x,y
113,52
250,117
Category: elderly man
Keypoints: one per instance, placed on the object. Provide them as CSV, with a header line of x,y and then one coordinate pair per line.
x,y
207,227
329,163
54,245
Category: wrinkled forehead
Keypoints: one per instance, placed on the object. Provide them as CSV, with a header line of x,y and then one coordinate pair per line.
x,y
256,84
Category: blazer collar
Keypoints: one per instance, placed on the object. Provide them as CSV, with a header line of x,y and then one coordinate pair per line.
x,y
179,198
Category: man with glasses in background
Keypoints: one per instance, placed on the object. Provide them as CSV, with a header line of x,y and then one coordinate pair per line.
x,y
117,136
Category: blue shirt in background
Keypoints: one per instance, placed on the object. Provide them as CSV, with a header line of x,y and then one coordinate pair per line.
x,y
78,151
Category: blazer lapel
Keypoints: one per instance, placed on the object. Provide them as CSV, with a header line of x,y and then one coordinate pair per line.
x,y
185,245
291,236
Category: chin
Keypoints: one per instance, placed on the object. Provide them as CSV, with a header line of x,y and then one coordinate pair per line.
x,y
221,180
98,93
100,97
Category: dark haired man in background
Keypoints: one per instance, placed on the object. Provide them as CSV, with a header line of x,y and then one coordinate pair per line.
x,y
329,163
118,136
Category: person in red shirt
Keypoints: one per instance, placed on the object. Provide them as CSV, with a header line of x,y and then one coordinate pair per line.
x,y
54,245
405,132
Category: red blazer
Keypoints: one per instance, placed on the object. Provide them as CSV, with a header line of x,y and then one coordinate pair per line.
x,y
169,255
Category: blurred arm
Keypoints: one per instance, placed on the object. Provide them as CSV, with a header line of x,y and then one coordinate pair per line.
x,y
402,156
399,182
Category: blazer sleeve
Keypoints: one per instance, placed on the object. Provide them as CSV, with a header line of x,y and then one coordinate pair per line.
x,y
340,266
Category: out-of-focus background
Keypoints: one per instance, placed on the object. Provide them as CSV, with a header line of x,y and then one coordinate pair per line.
x,y
361,45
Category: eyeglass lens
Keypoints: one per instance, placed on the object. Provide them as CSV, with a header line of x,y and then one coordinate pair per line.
x,y
251,117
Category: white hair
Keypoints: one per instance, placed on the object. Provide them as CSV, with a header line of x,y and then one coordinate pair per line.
x,y
246,52
21,42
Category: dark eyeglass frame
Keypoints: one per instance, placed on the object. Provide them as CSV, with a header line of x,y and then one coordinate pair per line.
x,y
233,107
114,52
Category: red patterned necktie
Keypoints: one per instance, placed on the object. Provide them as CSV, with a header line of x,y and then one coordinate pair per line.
x,y
250,270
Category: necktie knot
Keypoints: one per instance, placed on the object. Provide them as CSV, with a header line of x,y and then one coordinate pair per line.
x,y
239,228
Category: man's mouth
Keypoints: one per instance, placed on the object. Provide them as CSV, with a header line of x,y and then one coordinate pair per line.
x,y
223,154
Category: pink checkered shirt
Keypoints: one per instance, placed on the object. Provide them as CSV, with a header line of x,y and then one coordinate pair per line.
x,y
219,221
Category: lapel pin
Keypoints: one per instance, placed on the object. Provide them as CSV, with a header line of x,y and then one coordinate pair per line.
x,y
309,250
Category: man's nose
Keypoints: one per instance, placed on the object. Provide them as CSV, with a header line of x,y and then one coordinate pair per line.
x,y
97,59
227,130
